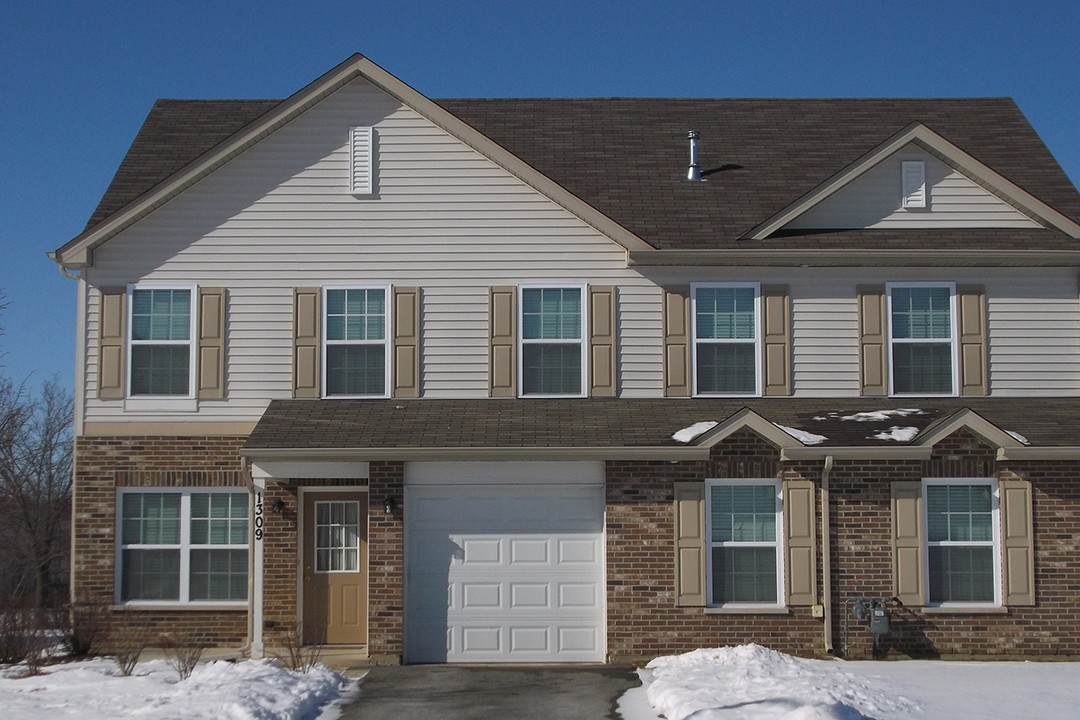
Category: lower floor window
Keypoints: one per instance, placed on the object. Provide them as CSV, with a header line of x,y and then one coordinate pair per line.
x,y
183,546
961,534
744,550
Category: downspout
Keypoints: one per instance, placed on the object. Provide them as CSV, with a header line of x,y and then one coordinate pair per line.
x,y
826,556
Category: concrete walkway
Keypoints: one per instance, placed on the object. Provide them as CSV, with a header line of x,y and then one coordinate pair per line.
x,y
548,692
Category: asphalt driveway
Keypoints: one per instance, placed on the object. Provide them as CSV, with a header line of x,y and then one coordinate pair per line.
x,y
540,692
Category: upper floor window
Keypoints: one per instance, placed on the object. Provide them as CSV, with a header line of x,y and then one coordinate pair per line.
x,y
726,339
961,538
922,339
161,341
183,546
356,342
744,524
552,341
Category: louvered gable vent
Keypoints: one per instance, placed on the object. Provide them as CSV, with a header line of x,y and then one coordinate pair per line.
x,y
914,181
361,161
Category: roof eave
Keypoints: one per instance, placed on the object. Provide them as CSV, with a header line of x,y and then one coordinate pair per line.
x,y
768,257
478,453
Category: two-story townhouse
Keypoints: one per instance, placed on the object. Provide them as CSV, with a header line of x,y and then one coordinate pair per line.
x,y
503,380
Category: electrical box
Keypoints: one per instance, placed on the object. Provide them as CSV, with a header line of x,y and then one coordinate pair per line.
x,y
879,619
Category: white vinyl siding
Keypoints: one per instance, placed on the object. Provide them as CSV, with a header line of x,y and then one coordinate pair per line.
x,y
875,200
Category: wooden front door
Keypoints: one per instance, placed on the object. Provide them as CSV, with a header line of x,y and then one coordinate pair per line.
x,y
335,568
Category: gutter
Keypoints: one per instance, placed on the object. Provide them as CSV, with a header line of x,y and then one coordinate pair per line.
x,y
845,258
826,555
477,453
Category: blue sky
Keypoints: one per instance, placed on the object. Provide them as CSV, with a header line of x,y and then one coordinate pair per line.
x,y
77,79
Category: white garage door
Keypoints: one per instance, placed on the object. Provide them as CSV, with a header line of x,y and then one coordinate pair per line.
x,y
503,572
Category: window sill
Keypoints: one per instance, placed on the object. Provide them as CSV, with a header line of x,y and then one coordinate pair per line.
x,y
965,610
181,607
748,610
161,405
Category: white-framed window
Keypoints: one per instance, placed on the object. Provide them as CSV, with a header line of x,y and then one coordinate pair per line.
x,y
182,545
744,521
922,338
552,341
356,352
161,349
337,536
727,338
963,558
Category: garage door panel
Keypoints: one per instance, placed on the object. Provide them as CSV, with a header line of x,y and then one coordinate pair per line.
x,y
525,585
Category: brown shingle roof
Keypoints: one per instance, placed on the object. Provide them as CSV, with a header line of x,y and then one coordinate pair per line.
x,y
627,157
609,423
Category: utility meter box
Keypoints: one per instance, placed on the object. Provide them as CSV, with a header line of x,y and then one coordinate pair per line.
x,y
879,619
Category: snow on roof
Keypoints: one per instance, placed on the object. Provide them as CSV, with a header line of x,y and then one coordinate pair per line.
x,y
897,433
687,434
1018,436
806,438
882,415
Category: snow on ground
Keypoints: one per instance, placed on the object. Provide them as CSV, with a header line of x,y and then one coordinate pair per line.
x,y
94,689
806,438
750,682
897,433
689,433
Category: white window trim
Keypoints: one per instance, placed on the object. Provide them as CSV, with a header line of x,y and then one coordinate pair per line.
x,y
184,546
781,601
190,342
694,287
521,341
995,543
357,547
953,336
389,333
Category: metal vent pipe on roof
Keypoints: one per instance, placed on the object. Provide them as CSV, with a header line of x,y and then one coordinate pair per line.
x,y
693,174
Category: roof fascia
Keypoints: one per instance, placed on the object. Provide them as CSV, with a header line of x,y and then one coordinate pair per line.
x,y
750,420
864,258
78,251
693,452
857,452
1039,453
968,419
931,140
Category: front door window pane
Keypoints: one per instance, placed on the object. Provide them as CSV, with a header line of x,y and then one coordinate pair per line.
x,y
337,536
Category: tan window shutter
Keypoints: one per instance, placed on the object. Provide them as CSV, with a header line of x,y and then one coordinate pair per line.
x,y
776,304
971,300
603,370
908,543
800,567
677,342
211,350
112,337
1017,540
873,344
690,544
406,350
502,334
307,341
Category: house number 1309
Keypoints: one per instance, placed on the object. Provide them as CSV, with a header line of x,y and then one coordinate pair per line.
x,y
259,519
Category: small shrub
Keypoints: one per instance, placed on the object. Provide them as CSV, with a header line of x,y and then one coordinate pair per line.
x,y
87,625
183,654
17,636
127,645
295,655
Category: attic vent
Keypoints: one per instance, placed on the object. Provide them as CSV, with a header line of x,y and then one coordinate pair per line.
x,y
361,161
913,179
693,173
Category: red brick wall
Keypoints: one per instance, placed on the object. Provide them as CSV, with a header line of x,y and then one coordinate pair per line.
x,y
643,620
104,464
386,598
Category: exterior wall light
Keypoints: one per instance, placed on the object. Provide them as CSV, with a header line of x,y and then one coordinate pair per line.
x,y
277,507
389,505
